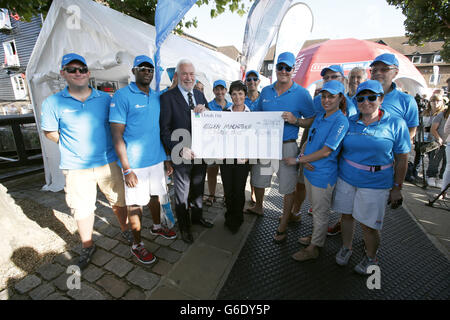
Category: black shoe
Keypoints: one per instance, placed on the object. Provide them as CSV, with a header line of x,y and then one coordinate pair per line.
x,y
203,222
234,228
187,237
85,257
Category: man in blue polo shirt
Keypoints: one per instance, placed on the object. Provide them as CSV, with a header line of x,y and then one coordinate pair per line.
x,y
134,118
76,118
334,72
252,81
384,68
284,95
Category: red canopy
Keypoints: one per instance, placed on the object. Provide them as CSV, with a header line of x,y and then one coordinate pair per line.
x,y
350,53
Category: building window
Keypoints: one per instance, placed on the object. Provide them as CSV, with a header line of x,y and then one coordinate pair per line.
x,y
5,22
11,56
270,66
437,58
19,87
432,79
416,59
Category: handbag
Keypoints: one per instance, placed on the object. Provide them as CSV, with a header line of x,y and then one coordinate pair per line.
x,y
429,146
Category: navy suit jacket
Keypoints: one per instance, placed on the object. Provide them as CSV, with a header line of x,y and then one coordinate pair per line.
x,y
176,114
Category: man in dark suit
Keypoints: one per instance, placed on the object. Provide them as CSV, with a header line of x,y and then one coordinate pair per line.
x,y
189,174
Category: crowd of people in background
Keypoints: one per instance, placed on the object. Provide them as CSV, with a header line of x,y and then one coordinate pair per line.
x,y
352,157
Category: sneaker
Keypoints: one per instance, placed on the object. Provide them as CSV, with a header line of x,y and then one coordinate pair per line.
x,y
310,211
431,182
85,257
334,230
343,256
163,232
128,236
361,267
142,254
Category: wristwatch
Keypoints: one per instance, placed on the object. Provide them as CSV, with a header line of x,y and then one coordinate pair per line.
x,y
398,185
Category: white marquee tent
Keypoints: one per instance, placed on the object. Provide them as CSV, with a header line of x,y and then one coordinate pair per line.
x,y
109,41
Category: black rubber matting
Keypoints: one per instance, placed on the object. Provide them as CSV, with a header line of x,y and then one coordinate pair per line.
x,y
411,266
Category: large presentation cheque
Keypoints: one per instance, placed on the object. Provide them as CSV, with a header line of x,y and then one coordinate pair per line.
x,y
240,135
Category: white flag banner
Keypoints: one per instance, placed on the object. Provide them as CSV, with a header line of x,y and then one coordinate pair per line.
x,y
237,135
263,21
295,28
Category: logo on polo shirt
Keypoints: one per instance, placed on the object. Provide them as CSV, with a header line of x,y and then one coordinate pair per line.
x,y
112,105
139,106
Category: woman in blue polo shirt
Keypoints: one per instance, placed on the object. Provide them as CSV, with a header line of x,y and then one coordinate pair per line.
x,y
219,103
320,161
368,178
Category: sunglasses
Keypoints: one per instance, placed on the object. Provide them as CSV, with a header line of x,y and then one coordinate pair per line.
x,y
82,70
281,67
383,69
371,98
254,79
333,77
144,69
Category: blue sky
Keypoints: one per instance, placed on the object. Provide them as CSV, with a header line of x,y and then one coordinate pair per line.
x,y
333,19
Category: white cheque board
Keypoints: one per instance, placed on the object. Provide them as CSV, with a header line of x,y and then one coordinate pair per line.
x,y
237,135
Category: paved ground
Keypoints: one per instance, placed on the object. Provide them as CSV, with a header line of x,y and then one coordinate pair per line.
x,y
198,271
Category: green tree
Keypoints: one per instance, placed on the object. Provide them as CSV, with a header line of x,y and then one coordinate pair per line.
x,y
426,21
143,10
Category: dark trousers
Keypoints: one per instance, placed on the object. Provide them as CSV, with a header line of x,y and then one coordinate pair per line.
x,y
234,178
435,158
189,185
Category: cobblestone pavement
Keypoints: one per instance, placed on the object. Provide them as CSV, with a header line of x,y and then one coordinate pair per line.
x,y
114,273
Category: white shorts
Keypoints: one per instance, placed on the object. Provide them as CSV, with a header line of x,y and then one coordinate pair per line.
x,y
151,181
367,206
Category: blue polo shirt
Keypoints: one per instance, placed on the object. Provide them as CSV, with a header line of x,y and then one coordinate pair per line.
x,y
351,106
403,105
373,145
252,104
328,132
84,135
139,113
214,106
296,100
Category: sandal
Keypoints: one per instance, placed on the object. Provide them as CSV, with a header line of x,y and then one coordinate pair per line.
x,y
306,241
254,212
209,200
280,233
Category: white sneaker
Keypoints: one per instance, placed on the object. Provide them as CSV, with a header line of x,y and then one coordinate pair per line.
x,y
431,182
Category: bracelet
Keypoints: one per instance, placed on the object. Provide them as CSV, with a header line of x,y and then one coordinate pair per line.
x,y
298,158
398,185
127,172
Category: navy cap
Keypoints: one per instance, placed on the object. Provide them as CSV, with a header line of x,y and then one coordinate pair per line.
x,y
334,68
287,58
219,83
141,59
371,85
252,71
68,58
333,87
386,58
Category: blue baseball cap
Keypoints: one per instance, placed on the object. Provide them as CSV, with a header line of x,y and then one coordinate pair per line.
x,y
252,71
334,68
386,58
333,87
287,58
371,85
219,83
141,59
68,58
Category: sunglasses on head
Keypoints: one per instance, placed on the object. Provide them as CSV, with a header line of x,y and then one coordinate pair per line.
x,y
371,98
254,79
82,70
281,67
143,69
332,77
